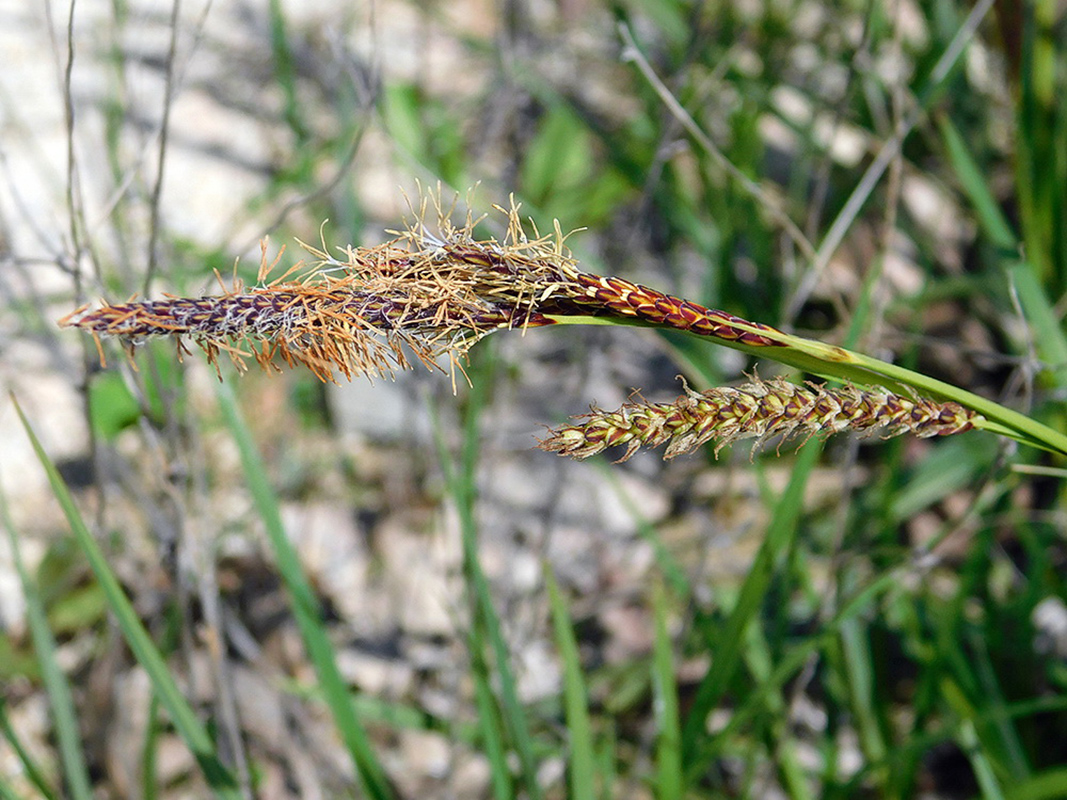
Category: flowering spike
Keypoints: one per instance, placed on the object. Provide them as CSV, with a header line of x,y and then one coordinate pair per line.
x,y
429,294
759,409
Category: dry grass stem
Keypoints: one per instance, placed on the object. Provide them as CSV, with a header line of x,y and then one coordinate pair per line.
x,y
758,410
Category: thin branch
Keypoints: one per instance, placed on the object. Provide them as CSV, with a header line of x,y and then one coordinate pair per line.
x,y
164,129
633,53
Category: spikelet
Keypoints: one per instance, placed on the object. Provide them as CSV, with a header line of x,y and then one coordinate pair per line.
x,y
758,410
360,315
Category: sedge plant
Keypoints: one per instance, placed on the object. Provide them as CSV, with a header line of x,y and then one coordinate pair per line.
x,y
429,296
426,295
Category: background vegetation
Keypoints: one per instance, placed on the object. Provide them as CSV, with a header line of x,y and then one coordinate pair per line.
x,y
278,588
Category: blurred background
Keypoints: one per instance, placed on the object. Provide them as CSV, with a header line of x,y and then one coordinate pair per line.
x,y
891,177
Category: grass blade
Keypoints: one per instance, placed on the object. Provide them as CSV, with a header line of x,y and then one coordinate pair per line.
x,y
1048,785
150,752
607,757
32,770
461,486
726,649
786,667
667,563
219,778
985,771
982,767
6,792
669,777
579,730
55,681
495,750
1048,333
488,633
1047,329
306,607
783,751
974,183
858,670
